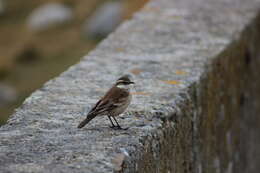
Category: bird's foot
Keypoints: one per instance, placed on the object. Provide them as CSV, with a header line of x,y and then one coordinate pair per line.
x,y
118,128
112,127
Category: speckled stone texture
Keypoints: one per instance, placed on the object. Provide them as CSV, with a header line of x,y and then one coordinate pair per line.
x,y
196,104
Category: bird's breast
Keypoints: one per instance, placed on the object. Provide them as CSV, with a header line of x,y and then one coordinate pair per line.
x,y
123,107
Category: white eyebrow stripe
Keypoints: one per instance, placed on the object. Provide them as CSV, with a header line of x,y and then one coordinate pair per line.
x,y
120,81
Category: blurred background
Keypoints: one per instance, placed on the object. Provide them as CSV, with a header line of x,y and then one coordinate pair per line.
x,y
39,39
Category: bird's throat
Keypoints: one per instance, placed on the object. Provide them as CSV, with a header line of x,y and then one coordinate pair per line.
x,y
127,87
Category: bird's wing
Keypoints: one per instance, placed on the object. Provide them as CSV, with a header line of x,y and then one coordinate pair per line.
x,y
115,97
99,108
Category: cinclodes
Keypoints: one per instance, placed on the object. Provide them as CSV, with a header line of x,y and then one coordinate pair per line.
x,y
115,102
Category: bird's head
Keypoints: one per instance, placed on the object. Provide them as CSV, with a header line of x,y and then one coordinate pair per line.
x,y
124,81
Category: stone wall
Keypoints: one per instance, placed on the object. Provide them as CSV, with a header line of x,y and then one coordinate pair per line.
x,y
227,134
196,103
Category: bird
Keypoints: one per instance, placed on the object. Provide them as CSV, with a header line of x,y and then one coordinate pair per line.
x,y
113,103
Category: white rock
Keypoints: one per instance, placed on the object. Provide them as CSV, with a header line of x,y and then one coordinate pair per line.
x,y
49,15
2,7
7,94
104,20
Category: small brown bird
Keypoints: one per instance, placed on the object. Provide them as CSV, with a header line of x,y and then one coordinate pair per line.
x,y
113,103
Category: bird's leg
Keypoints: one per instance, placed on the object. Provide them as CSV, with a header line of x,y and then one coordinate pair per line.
x,y
118,126
113,126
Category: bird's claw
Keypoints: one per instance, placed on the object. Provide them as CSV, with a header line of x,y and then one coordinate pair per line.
x,y
118,128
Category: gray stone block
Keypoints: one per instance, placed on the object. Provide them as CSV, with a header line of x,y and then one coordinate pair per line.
x,y
104,20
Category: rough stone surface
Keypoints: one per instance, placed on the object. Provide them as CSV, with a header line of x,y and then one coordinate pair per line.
x,y
196,65
49,15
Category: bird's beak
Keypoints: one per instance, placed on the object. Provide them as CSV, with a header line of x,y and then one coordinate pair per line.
x,y
131,83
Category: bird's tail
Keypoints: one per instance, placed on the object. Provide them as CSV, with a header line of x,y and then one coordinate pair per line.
x,y
87,120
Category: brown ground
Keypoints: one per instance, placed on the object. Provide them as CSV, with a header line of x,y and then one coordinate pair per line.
x,y
27,59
